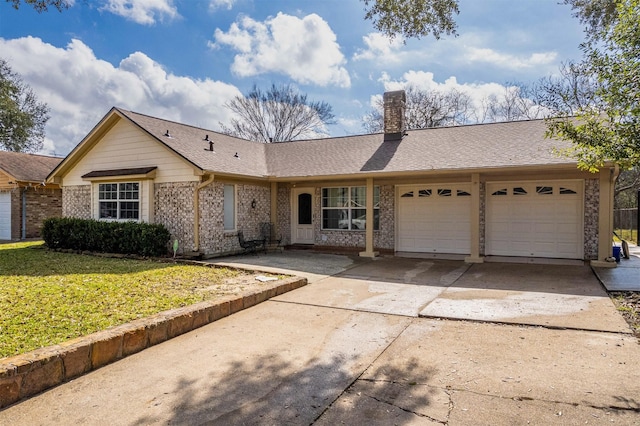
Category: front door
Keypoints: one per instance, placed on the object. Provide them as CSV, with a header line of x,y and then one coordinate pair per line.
x,y
302,220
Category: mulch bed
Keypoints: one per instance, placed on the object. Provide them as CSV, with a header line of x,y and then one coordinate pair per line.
x,y
628,304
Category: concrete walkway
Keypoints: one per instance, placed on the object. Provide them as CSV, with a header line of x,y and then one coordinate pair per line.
x,y
338,360
624,277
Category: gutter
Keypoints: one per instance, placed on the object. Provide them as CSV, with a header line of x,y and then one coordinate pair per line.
x,y
196,212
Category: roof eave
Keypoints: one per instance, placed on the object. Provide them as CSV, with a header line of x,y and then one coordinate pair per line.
x,y
432,172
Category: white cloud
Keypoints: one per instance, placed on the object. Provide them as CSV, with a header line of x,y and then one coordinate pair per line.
x,y
505,60
305,49
379,46
145,12
80,88
478,92
221,4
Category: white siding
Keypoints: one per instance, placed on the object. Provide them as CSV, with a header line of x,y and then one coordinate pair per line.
x,y
126,146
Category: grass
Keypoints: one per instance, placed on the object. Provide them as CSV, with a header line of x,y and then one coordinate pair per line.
x,y
629,235
48,297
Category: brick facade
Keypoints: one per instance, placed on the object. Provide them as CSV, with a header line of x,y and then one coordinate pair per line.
x,y
382,239
76,201
483,216
213,238
173,207
283,221
34,204
16,214
591,204
41,204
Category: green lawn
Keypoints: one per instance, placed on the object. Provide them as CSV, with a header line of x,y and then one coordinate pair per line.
x,y
48,297
629,235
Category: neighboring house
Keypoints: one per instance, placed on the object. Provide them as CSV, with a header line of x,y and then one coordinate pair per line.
x,y
477,192
25,199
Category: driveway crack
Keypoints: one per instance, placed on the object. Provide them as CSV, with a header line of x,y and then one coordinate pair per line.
x,y
409,323
406,410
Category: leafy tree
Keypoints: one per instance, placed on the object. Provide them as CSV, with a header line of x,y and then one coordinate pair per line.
x,y
595,14
412,18
420,18
277,115
42,5
609,129
22,117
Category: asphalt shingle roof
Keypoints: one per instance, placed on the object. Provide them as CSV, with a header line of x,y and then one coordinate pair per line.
x,y
470,147
188,141
27,167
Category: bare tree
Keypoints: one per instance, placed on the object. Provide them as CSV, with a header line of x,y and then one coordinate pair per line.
x,y
518,101
627,187
572,91
426,108
277,115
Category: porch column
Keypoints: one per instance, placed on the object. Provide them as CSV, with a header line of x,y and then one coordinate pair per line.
x,y
368,251
474,255
605,218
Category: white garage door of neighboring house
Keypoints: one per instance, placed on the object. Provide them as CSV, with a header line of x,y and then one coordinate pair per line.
x,y
535,219
434,218
5,216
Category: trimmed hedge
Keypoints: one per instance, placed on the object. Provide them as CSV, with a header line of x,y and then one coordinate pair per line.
x,y
144,239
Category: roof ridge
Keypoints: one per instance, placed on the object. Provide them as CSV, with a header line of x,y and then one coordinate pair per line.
x,y
30,153
125,111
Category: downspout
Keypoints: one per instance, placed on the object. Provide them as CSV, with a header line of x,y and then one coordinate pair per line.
x,y
24,213
196,212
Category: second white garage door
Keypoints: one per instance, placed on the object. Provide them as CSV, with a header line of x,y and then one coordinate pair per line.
x,y
434,218
5,215
535,219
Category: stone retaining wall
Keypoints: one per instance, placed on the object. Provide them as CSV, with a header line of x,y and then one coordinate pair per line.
x,y
25,375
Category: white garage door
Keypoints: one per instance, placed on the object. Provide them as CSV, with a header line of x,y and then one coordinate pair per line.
x,y
434,218
535,219
5,216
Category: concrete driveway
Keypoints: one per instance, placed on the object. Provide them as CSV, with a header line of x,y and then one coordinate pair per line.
x,y
547,295
327,354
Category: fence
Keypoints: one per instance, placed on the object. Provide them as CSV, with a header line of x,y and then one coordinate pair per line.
x,y
625,223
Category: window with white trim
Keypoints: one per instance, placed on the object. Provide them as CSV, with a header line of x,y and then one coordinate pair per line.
x,y
229,207
345,208
119,201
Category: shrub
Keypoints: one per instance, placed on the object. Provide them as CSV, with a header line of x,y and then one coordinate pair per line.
x,y
144,239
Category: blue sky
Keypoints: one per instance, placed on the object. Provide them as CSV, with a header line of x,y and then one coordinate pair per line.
x,y
184,59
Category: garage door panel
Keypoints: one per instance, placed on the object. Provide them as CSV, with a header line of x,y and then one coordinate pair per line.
x,y
534,219
435,223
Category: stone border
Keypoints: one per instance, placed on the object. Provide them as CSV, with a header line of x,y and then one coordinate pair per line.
x,y
27,374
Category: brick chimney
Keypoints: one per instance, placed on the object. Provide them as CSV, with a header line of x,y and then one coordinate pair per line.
x,y
394,111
